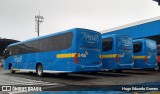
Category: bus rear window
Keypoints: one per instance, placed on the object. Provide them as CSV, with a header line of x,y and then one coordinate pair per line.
x,y
137,47
107,44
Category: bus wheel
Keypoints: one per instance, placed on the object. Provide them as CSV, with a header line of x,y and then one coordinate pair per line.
x,y
118,71
157,68
39,70
11,69
63,74
110,70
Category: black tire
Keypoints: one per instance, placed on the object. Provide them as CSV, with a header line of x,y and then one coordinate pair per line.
x,y
110,70
62,74
95,72
30,72
39,70
118,71
11,70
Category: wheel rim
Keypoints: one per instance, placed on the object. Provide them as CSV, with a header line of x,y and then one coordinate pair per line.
x,y
157,68
39,70
11,69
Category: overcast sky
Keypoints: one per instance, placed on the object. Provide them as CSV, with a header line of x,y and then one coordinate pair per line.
x,y
17,17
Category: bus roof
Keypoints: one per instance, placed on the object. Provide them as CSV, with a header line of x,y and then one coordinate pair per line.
x,y
142,39
45,36
110,35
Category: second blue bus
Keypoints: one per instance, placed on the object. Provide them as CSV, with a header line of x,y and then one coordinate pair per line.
x,y
117,52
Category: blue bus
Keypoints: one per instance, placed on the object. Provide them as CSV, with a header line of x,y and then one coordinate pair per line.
x,y
74,50
117,52
145,53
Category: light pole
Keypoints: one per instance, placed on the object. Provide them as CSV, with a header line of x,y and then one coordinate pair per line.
x,y
38,19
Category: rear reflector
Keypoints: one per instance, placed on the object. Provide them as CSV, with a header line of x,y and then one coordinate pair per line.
x,y
145,59
76,59
100,59
116,58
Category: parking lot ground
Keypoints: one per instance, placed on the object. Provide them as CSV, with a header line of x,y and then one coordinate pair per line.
x,y
85,81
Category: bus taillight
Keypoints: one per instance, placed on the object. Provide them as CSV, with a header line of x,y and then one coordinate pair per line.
x,y
116,58
100,59
145,59
76,59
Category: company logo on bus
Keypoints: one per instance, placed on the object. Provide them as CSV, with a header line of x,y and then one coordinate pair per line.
x,y
126,41
18,58
87,36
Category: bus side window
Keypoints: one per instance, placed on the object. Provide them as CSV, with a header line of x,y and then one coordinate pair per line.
x,y
68,40
35,46
107,44
137,47
60,41
43,45
52,43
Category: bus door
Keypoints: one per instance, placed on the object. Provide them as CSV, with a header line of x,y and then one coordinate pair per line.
x,y
107,54
89,48
151,51
124,50
138,54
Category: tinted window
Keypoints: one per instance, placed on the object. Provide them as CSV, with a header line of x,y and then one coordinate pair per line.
x,y
107,44
59,42
137,47
43,45
158,51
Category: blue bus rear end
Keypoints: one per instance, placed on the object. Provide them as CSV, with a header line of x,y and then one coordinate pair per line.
x,y
117,52
74,50
88,51
145,53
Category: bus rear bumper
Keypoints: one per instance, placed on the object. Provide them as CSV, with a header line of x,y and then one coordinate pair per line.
x,y
90,68
147,66
125,66
152,65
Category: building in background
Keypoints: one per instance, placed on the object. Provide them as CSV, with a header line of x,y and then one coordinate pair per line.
x,y
149,28
3,44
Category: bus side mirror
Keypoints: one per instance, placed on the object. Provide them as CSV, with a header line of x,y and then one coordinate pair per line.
x,y
6,53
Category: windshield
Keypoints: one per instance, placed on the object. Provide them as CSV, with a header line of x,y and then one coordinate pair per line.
x,y
151,44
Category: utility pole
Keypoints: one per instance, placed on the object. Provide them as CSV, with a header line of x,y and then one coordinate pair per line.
x,y
38,19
